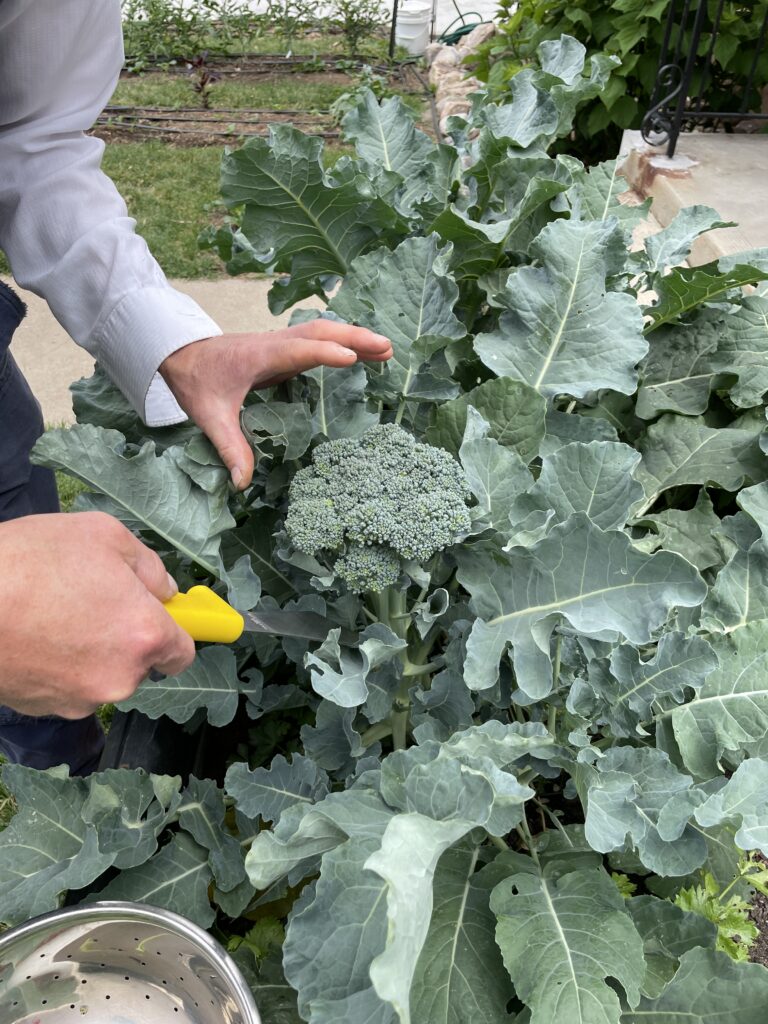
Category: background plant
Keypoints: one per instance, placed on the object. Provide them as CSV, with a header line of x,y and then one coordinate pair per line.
x,y
358,20
584,740
168,31
633,31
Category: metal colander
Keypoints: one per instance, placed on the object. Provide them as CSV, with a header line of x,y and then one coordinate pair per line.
x,y
119,963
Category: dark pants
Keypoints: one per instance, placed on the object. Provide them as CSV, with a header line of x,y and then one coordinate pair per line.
x,y
24,490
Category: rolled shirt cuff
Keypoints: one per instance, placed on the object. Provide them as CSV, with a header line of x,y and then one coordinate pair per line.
x,y
145,327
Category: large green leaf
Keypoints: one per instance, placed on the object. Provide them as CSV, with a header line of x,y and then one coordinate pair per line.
x,y
594,478
50,846
594,196
98,401
740,592
561,939
626,794
668,932
459,975
339,408
210,682
689,532
527,118
496,475
384,134
560,331
673,243
594,580
316,226
129,810
306,831
335,931
408,296
742,801
622,690
680,450
729,714
478,246
282,425
267,792
409,898
202,813
176,878
709,988
680,370
146,491
685,288
514,412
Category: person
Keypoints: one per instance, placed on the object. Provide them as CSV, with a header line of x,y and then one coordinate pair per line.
x,y
81,618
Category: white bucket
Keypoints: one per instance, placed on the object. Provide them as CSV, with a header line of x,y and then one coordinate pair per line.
x,y
412,28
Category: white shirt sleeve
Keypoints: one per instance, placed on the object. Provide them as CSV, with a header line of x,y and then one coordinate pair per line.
x,y
63,225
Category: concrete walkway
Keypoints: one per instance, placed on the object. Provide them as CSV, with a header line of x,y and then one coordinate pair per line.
x,y
727,172
51,361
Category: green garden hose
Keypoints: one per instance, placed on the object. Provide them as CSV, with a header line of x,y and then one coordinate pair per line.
x,y
450,36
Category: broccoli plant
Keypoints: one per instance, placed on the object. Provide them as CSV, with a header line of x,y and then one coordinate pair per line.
x,y
543,522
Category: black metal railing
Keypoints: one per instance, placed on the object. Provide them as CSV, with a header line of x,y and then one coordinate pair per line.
x,y
699,82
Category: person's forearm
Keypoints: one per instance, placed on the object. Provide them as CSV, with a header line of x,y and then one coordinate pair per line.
x,y
63,225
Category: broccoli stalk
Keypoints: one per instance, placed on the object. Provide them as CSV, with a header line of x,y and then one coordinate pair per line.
x,y
370,506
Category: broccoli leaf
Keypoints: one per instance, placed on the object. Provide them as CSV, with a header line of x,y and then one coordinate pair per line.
x,y
709,988
336,930
315,225
384,134
267,792
626,795
729,713
176,878
459,974
681,450
621,691
560,331
595,478
562,938
595,580
210,682
408,296
146,491
514,412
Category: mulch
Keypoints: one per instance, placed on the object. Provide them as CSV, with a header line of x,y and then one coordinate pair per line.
x,y
758,954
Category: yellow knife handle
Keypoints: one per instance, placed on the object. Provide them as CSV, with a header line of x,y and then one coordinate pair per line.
x,y
205,616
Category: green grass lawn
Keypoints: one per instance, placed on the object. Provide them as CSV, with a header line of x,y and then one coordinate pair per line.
x,y
170,193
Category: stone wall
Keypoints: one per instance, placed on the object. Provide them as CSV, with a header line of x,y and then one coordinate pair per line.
x,y
449,77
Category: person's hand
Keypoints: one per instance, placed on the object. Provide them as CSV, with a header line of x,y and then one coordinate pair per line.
x,y
81,618
211,378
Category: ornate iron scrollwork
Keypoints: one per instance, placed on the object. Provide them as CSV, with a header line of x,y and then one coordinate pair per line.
x,y
658,122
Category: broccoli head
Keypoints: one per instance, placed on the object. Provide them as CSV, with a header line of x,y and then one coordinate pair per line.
x,y
372,503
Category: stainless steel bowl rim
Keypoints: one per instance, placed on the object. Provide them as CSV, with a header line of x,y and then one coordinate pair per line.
x,y
146,914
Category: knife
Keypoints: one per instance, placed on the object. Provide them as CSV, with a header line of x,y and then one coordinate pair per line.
x,y
206,616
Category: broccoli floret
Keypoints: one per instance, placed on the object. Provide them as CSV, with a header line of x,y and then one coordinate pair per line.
x,y
374,502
